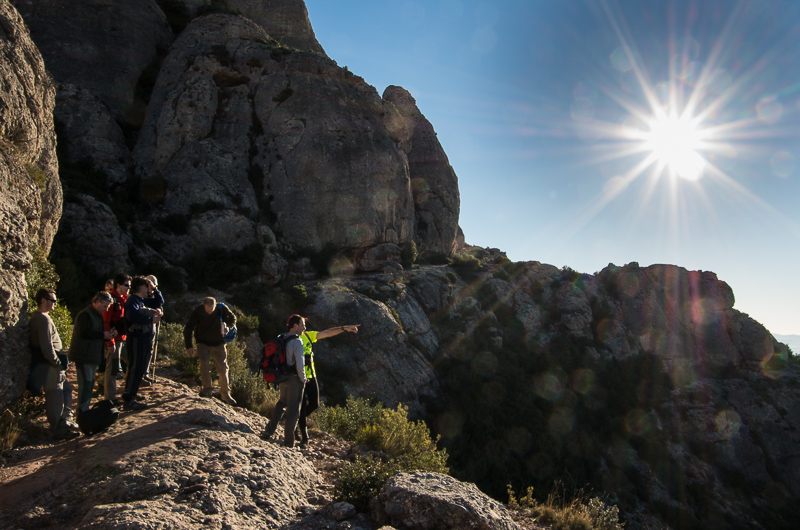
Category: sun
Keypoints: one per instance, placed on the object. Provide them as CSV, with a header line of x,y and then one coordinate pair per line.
x,y
674,142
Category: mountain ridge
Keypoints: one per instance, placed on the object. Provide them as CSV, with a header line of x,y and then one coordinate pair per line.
x,y
232,163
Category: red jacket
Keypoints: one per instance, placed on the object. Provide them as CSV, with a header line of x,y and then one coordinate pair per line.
x,y
114,317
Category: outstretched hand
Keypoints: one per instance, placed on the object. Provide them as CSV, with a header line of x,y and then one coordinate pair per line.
x,y
352,328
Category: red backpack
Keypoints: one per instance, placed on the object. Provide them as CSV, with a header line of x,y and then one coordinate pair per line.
x,y
273,364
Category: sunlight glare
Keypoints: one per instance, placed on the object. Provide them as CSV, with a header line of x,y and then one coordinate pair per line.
x,y
674,143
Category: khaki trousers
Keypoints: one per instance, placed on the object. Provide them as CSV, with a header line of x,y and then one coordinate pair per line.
x,y
221,361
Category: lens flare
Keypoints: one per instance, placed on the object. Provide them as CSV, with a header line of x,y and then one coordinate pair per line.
x,y
675,141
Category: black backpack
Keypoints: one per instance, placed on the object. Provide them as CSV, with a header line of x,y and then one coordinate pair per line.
x,y
98,418
273,364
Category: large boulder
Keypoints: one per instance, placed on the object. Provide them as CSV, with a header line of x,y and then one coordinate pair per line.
x,y
91,226
380,361
30,192
420,500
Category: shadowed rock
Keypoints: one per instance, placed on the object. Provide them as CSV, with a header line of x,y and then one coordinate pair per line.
x,y
30,192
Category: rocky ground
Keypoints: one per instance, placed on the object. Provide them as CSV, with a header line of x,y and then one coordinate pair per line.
x,y
185,462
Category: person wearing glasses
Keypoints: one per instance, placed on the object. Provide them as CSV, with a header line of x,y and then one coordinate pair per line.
x,y
115,348
88,345
48,368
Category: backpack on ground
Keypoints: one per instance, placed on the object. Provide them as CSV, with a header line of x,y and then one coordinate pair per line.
x,y
98,418
273,364
228,334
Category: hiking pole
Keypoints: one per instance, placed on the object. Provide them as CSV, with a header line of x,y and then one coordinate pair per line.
x,y
155,353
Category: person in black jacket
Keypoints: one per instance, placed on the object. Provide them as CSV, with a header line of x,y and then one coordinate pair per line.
x,y
142,317
88,344
207,322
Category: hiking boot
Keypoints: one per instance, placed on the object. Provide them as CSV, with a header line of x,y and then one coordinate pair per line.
x,y
145,382
120,377
206,392
267,434
229,400
134,405
65,432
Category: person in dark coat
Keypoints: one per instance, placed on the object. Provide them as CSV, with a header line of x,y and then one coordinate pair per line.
x,y
207,322
88,345
141,317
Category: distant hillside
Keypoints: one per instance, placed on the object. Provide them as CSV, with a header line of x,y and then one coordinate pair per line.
x,y
793,341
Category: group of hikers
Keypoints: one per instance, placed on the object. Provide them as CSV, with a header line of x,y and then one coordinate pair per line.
x,y
117,333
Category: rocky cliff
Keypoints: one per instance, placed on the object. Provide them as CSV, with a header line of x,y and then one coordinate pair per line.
x,y
215,144
30,192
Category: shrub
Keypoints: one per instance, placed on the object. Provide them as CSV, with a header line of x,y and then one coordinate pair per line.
x,y
247,388
559,512
346,421
37,175
407,443
465,263
360,480
408,446
10,430
42,275
408,253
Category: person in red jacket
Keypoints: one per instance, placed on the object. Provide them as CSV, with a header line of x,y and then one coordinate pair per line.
x,y
114,318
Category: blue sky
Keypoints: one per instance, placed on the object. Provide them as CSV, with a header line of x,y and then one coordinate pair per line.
x,y
586,133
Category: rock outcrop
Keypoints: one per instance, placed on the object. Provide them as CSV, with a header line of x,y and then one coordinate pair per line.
x,y
252,127
433,181
30,192
101,46
418,501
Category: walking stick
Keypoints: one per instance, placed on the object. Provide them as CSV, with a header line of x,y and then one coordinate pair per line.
x,y
155,353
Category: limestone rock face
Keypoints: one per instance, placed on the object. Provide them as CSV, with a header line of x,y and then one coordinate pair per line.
x,y
88,133
99,45
380,360
237,123
433,181
91,226
284,20
420,500
30,192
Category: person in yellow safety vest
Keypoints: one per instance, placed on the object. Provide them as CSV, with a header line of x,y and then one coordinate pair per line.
x,y
311,394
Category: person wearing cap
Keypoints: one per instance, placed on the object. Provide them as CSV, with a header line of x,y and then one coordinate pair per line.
x,y
155,300
88,344
204,322
292,388
310,401
141,318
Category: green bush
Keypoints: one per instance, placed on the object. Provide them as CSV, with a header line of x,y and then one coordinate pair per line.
x,y
247,388
347,421
360,480
408,446
42,275
408,253
407,443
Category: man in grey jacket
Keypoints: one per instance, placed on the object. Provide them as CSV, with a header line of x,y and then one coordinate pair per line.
x,y
291,389
48,367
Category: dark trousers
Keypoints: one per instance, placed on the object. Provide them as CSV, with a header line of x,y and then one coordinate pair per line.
x,y
310,403
86,375
138,347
